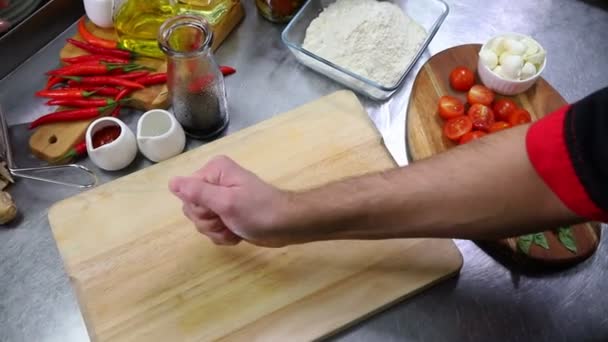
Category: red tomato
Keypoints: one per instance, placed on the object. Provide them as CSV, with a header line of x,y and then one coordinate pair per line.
x,y
499,126
503,107
481,116
457,127
471,136
480,94
462,78
450,107
519,117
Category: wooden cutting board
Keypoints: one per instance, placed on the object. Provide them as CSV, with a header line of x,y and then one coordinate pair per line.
x,y
143,273
52,141
425,138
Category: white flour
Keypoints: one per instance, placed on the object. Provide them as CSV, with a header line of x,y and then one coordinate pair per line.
x,y
376,40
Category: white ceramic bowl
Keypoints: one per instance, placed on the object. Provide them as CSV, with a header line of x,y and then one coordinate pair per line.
x,y
99,12
502,85
116,155
159,135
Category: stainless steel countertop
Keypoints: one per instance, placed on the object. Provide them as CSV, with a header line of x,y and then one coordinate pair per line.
x,y
486,302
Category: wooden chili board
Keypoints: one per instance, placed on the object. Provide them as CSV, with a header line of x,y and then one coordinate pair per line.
x,y
143,273
425,138
52,141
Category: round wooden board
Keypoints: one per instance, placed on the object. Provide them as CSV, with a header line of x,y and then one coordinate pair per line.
x,y
425,138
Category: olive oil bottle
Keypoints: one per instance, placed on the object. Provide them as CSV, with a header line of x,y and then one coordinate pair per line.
x,y
137,21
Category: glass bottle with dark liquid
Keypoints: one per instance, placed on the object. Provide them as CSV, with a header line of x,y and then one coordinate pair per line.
x,y
194,79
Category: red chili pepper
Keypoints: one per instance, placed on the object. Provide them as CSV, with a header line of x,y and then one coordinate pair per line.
x,y
122,94
134,75
93,68
227,70
119,99
116,112
101,91
53,80
65,93
81,103
92,39
76,151
95,58
153,79
200,83
96,50
70,115
105,80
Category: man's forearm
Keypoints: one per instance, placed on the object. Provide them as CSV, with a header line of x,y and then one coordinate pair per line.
x,y
485,189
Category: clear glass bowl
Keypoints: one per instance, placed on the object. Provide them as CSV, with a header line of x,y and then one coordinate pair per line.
x,y
428,13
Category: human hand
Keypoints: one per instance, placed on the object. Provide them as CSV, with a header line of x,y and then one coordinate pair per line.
x,y
228,204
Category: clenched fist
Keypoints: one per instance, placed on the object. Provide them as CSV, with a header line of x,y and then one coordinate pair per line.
x,y
228,204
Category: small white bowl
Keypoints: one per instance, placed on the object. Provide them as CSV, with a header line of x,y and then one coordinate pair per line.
x,y
116,155
99,12
159,135
502,85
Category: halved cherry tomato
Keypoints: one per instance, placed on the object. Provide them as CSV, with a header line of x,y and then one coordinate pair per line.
x,y
481,116
480,94
503,107
499,126
450,107
471,136
462,78
457,127
519,117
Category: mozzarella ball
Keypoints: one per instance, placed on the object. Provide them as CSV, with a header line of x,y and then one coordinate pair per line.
x,y
514,47
488,58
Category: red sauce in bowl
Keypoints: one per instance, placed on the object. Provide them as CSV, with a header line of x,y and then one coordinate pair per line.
x,y
105,136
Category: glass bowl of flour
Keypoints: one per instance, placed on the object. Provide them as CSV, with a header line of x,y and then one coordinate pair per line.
x,y
366,45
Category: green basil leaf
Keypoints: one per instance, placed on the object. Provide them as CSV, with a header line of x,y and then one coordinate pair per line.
x,y
566,237
541,240
524,242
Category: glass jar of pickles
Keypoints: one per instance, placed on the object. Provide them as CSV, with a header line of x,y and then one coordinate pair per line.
x,y
279,11
137,21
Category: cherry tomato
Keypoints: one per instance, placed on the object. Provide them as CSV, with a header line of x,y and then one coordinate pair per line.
x,y
503,107
450,107
462,78
499,126
519,117
471,136
457,127
481,116
480,94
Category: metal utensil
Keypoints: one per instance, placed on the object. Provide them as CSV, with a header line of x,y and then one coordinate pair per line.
x,y
6,153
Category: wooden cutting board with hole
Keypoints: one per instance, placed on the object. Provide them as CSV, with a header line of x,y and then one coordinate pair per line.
x,y
143,273
52,141
425,139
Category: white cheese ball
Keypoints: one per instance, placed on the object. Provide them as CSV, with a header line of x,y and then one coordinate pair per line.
x,y
527,71
514,47
498,71
537,58
511,66
488,58
531,46
496,45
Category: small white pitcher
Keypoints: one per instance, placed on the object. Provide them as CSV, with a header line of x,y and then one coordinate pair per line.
x,y
116,155
159,135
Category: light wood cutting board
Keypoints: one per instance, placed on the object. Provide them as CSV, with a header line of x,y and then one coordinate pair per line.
x,y
425,138
143,273
51,142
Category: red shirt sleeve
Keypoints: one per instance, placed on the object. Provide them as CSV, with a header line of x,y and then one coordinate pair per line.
x,y
565,147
